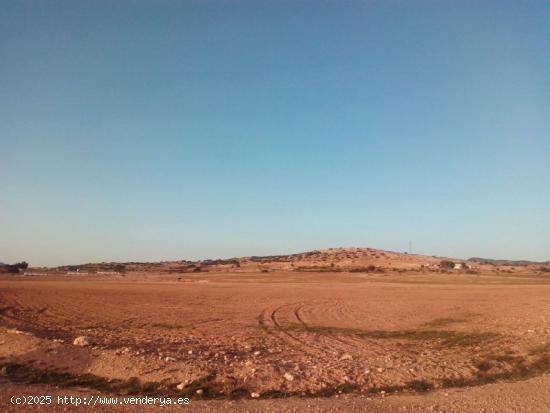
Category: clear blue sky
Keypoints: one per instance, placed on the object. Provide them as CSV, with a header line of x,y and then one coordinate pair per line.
x,y
152,130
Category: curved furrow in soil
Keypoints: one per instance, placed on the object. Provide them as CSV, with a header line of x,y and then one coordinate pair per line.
x,y
316,353
343,343
342,346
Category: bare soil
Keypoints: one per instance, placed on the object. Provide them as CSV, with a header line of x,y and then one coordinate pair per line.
x,y
319,341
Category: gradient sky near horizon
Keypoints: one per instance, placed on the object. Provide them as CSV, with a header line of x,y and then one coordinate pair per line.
x,y
160,130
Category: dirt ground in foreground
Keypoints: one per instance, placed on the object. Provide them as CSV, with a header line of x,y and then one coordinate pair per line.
x,y
282,341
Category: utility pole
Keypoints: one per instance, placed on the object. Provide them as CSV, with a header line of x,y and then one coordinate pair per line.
x,y
410,247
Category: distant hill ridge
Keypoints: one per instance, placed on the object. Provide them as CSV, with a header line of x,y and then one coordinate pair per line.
x,y
328,259
516,263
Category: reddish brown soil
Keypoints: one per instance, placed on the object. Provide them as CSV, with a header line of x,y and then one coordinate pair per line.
x,y
230,335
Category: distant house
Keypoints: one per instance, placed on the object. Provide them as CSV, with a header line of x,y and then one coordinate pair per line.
x,y
461,266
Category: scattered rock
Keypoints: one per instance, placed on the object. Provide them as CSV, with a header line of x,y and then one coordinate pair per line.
x,y
190,352
289,377
257,353
200,392
169,359
180,386
379,370
346,356
81,341
254,395
16,331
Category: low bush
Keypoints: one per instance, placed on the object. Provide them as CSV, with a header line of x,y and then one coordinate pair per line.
x,y
447,264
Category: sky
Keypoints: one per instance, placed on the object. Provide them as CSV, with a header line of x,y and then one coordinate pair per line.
x,y
167,130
